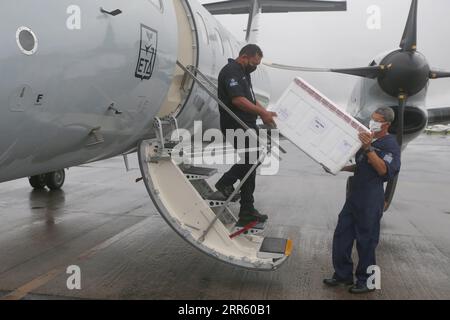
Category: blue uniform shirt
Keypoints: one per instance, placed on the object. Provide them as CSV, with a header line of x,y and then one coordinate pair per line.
x,y
368,186
234,82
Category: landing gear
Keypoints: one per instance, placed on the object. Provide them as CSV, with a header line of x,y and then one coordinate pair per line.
x,y
53,180
37,182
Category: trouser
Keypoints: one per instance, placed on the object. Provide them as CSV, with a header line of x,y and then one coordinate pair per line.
x,y
362,225
240,170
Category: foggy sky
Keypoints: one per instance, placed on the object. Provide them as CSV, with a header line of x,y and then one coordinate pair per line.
x,y
342,39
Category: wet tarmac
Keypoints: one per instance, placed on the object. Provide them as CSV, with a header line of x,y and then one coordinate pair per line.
x,y
106,224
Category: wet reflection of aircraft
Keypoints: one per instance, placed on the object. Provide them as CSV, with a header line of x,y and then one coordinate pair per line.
x,y
87,84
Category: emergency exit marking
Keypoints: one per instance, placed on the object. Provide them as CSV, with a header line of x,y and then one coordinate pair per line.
x,y
74,20
374,19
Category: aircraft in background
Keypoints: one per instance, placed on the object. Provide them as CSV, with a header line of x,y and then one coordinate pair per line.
x,y
438,129
398,79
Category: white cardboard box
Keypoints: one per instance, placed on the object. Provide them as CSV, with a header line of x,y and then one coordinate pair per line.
x,y
317,126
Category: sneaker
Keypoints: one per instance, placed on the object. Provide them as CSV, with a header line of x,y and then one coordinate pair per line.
x,y
226,192
252,215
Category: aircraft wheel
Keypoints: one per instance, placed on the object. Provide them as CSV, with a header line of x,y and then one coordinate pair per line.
x,y
37,182
55,180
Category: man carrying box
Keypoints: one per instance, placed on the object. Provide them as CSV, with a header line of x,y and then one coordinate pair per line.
x,y
376,162
235,90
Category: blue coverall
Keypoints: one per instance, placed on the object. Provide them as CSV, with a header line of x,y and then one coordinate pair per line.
x,y
360,218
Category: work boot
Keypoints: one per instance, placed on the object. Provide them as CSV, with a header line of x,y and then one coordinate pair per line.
x,y
226,192
360,289
333,282
251,214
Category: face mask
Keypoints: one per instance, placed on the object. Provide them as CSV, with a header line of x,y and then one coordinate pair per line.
x,y
375,126
250,69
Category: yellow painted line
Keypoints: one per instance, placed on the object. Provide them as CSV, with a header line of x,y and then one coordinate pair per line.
x,y
38,282
22,292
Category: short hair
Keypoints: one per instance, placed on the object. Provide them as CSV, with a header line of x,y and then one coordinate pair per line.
x,y
251,50
387,113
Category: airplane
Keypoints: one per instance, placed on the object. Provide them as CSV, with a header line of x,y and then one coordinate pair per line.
x,y
438,129
399,79
84,87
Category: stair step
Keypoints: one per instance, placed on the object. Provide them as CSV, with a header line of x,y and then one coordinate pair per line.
x,y
213,198
228,218
171,145
200,171
275,248
196,173
255,230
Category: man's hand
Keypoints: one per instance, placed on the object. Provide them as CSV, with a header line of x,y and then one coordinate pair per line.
x,y
366,139
267,118
351,168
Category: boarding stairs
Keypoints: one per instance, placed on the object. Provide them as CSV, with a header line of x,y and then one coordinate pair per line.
x,y
182,194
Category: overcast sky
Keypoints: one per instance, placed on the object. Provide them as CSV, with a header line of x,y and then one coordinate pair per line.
x,y
343,39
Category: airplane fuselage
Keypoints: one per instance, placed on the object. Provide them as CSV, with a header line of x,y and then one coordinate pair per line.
x,y
86,85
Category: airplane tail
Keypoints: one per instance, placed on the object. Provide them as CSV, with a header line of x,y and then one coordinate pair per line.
x,y
252,32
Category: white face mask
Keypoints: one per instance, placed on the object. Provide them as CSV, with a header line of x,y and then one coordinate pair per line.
x,y
375,126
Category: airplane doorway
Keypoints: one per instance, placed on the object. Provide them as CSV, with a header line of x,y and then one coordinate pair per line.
x,y
187,55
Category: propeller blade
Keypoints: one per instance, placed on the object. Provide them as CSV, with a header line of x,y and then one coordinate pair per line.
x,y
371,72
401,119
392,184
390,192
439,74
409,39
294,68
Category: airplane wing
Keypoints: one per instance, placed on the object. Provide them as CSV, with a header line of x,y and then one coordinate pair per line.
x,y
439,116
274,6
